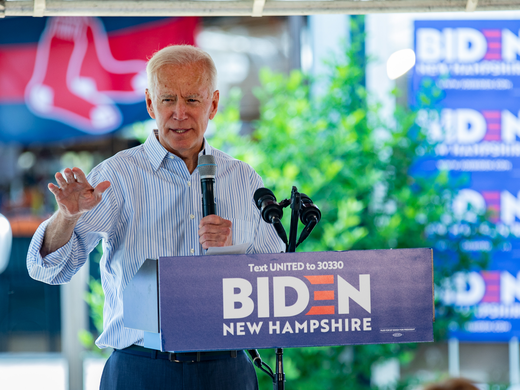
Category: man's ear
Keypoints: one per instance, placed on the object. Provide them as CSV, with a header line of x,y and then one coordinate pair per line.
x,y
149,105
214,104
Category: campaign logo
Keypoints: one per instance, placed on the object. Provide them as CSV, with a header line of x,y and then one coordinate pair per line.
x,y
494,294
494,297
503,206
77,81
465,132
491,296
466,45
467,51
314,295
468,126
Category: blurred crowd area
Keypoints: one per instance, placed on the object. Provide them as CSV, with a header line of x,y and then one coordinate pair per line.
x,y
27,170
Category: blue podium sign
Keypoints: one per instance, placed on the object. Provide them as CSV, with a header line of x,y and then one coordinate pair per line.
x,y
295,299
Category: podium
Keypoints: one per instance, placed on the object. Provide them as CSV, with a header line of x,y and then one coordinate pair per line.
x,y
283,300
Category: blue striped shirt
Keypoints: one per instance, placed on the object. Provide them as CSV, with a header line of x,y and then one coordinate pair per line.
x,y
152,209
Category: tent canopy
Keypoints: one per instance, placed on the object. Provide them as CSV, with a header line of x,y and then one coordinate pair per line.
x,y
243,8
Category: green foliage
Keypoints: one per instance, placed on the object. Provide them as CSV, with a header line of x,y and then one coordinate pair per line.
x,y
359,170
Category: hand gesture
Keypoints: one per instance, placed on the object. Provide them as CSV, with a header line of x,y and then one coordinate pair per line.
x,y
215,231
75,195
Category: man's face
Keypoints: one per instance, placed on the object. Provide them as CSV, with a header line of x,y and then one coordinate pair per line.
x,y
182,104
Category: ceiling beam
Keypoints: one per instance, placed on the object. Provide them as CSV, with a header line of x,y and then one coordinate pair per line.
x,y
471,5
258,7
39,8
244,8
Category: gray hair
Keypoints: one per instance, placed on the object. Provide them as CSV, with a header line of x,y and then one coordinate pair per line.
x,y
181,55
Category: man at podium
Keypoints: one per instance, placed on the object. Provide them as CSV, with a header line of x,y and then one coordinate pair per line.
x,y
145,202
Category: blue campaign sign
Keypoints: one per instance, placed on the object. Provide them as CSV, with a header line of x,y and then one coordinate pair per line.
x,y
493,297
296,299
477,126
468,56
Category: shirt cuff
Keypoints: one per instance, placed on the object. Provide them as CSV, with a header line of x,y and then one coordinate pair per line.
x,y
52,259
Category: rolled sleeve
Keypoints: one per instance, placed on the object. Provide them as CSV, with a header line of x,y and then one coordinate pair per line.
x,y
61,265
51,268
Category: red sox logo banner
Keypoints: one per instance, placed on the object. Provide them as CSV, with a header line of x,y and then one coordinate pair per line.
x,y
78,75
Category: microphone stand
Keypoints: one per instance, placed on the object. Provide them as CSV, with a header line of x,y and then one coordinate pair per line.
x,y
296,204
279,378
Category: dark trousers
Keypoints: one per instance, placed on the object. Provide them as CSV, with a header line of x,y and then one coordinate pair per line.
x,y
129,372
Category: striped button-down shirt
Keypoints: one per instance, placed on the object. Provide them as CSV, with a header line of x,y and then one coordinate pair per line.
x,y
152,209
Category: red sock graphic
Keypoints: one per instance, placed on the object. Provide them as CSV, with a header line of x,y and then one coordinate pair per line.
x,y
122,80
57,91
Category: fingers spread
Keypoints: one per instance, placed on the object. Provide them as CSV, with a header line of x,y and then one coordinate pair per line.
x,y
60,179
69,175
75,195
53,188
80,176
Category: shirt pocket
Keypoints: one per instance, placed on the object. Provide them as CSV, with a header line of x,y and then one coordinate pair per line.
x,y
243,231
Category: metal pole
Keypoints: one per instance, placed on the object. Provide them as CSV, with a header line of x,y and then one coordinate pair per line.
x,y
279,382
453,357
514,362
74,317
296,23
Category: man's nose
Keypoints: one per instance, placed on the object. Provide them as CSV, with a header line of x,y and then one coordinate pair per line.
x,y
180,111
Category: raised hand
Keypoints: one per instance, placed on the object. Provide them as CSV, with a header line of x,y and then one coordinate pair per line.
x,y
74,194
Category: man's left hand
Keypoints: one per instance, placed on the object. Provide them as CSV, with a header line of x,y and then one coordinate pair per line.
x,y
215,231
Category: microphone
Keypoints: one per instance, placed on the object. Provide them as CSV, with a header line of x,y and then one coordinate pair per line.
x,y
271,211
310,215
207,170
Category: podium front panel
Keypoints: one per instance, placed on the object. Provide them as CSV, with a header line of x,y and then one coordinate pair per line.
x,y
286,300
140,299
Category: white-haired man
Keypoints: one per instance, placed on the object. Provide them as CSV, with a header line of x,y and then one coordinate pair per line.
x,y
144,203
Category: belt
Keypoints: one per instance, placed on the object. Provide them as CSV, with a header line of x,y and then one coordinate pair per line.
x,y
189,357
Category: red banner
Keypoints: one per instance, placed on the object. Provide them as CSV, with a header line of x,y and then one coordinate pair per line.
x,y
81,75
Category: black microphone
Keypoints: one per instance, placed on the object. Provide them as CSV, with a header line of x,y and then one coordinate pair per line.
x,y
310,215
207,170
271,211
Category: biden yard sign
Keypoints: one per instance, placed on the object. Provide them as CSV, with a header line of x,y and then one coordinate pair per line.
x,y
295,299
476,124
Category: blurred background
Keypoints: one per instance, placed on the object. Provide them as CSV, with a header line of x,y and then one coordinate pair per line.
x,y
403,128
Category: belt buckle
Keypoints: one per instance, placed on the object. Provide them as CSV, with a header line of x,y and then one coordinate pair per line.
x,y
172,357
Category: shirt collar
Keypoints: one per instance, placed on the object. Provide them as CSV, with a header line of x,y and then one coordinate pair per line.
x,y
157,153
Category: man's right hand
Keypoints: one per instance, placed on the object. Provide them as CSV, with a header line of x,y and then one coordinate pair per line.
x,y
74,194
